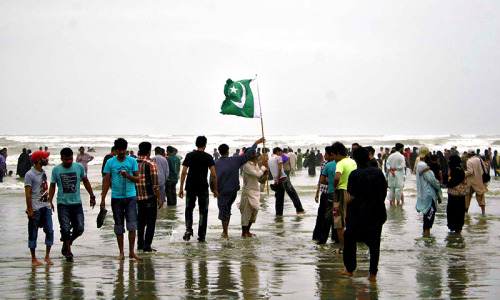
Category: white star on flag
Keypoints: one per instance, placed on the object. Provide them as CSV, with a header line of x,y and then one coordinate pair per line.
x,y
233,90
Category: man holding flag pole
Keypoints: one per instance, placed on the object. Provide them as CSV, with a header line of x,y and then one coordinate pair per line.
x,y
228,183
243,100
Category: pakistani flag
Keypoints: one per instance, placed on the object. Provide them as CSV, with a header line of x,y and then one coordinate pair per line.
x,y
242,99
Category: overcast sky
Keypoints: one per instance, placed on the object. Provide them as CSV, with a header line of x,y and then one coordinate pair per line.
x,y
324,67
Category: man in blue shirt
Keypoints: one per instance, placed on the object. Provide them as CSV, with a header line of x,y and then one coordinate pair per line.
x,y
324,219
67,176
228,181
122,173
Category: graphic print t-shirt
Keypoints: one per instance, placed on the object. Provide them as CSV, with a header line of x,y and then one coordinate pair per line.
x,y
68,183
121,186
39,188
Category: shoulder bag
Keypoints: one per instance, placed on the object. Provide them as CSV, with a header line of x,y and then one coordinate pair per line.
x,y
486,176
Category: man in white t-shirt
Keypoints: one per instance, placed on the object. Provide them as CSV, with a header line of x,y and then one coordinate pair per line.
x,y
282,183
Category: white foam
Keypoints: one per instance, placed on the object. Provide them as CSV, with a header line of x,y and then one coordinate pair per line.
x,y
11,186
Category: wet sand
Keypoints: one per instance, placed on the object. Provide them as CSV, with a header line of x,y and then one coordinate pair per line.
x,y
282,261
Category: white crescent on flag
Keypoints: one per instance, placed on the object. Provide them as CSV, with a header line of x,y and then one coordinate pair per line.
x,y
243,97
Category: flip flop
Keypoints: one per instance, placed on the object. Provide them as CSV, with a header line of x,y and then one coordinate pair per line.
x,y
101,217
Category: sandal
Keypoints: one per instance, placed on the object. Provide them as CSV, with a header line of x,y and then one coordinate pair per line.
x,y
64,251
339,251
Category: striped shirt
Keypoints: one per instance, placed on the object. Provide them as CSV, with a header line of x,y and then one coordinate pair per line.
x,y
148,178
323,188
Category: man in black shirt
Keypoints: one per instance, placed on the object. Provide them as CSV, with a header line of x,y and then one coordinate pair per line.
x,y
371,155
365,214
198,162
108,156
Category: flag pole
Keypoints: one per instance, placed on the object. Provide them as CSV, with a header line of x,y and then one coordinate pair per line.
x,y
263,142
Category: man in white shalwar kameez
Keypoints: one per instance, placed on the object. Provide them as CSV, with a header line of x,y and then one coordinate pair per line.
x,y
396,174
250,194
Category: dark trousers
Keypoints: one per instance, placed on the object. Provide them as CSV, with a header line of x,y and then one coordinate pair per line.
x,y
324,221
455,212
71,220
371,237
147,210
225,202
312,170
284,185
203,207
429,216
170,192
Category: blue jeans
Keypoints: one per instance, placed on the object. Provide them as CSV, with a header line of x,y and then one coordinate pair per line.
x,y
190,205
43,218
124,209
70,217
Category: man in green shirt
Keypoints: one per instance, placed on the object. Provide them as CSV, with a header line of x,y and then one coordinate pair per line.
x,y
343,169
174,166
299,159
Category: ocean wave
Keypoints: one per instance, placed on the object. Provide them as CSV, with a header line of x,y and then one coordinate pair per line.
x,y
185,143
12,186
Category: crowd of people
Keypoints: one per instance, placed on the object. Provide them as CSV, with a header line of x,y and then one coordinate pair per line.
x,y
352,189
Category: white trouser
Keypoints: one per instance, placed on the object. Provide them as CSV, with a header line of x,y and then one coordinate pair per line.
x,y
393,190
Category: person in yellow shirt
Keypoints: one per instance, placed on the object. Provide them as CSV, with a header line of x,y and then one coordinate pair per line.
x,y
345,166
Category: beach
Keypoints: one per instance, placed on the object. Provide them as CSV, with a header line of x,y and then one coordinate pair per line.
x,y
282,261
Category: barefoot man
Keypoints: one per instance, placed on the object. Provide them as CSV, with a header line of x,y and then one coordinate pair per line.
x,y
67,177
366,212
38,207
250,194
228,181
122,173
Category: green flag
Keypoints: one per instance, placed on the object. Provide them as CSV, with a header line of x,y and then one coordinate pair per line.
x,y
242,99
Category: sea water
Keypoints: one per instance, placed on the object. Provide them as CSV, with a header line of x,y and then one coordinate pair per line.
x,y
282,261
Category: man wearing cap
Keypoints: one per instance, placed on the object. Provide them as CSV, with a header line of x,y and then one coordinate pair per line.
x,y
474,172
396,174
228,181
427,191
67,176
38,206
